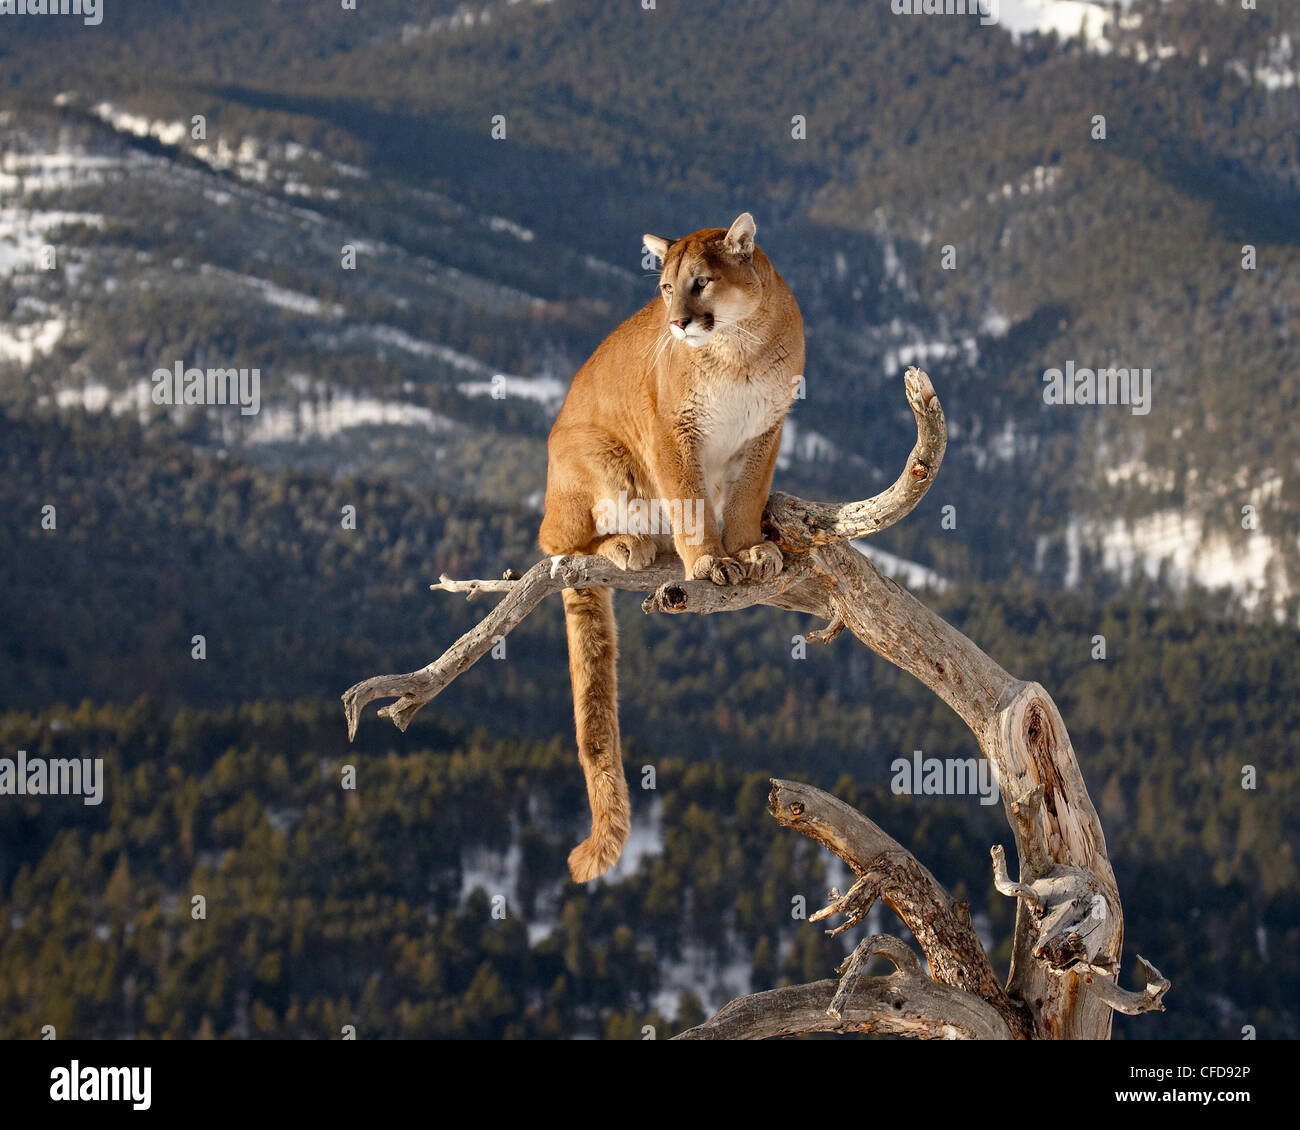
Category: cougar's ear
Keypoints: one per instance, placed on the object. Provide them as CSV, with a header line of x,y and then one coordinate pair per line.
x,y
740,237
658,245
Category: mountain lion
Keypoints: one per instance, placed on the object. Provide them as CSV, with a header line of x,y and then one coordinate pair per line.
x,y
648,428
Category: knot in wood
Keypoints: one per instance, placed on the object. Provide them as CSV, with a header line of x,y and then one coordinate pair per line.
x,y
674,596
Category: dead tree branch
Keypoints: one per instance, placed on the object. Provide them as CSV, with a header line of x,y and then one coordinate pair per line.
x,y
902,1004
888,871
1069,924
797,526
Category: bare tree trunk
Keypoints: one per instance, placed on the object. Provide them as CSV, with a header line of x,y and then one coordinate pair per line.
x,y
1069,925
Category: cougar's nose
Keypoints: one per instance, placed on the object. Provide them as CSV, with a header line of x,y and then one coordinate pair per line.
x,y
681,323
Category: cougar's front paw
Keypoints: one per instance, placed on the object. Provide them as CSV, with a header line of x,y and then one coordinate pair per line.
x,y
631,552
762,562
719,570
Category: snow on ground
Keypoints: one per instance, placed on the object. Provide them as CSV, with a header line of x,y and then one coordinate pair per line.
x,y
400,339
911,574
543,389
169,133
803,444
602,267
1155,479
1277,71
21,343
1001,446
319,416
921,353
92,397
521,233
497,872
892,265
42,172
328,417
995,324
461,18
1038,180
279,296
244,157
1068,18
1089,20
24,233
1247,562
547,391
698,971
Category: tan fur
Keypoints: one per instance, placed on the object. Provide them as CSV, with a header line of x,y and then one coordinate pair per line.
x,y
683,402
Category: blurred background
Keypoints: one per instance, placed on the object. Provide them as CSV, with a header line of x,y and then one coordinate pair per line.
x,y
317,193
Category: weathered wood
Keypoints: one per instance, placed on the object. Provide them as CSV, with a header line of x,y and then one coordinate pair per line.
x,y
663,580
1020,732
1069,923
852,967
898,1005
797,525
940,924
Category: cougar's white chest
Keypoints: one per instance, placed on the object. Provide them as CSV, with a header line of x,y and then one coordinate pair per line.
x,y
732,413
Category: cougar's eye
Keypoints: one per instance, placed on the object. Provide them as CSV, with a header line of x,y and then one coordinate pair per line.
x,y
667,288
701,283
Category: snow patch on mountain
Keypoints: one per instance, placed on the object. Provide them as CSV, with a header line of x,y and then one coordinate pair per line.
x,y
22,342
1275,71
327,417
925,353
23,235
1095,25
384,337
800,444
911,574
1247,562
318,414
498,871
274,295
1069,19
26,173
169,133
547,391
1038,180
521,233
464,17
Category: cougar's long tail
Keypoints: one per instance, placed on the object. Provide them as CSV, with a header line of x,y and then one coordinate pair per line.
x,y
593,670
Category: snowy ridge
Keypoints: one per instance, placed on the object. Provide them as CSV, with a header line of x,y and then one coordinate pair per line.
x,y
912,574
1069,19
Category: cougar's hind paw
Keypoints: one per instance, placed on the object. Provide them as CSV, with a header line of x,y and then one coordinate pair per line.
x,y
762,562
630,552
719,570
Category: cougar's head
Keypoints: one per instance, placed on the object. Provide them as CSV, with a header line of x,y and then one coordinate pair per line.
x,y
708,282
